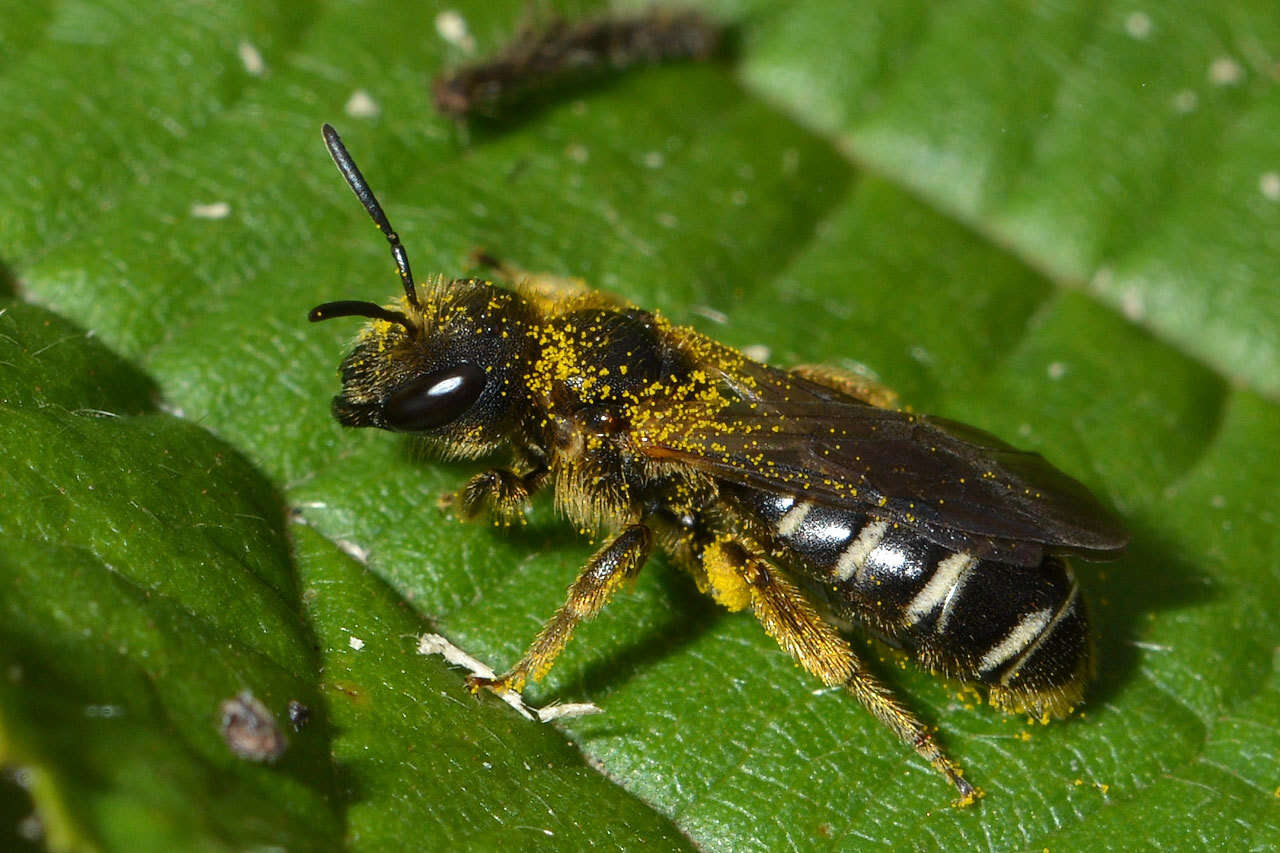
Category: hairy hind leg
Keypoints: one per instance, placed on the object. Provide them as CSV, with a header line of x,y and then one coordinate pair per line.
x,y
547,289
847,382
739,579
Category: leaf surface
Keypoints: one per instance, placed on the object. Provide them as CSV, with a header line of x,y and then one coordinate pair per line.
x,y
1059,224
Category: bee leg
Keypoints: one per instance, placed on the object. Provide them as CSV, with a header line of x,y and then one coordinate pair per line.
x,y
847,382
503,271
502,492
546,286
738,579
608,568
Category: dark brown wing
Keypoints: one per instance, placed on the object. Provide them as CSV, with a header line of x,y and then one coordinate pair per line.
x,y
956,485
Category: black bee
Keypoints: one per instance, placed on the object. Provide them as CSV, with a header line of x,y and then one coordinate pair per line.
x,y
786,492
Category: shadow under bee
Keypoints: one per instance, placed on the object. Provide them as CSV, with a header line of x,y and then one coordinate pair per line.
x,y
1122,596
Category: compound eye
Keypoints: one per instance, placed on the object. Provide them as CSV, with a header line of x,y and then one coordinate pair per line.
x,y
434,400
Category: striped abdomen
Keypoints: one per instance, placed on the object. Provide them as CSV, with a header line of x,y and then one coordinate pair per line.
x,y
1020,629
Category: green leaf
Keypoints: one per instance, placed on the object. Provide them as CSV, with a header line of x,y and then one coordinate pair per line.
x,y
1057,223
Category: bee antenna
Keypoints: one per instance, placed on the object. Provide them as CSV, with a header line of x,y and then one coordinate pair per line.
x,y
353,308
360,187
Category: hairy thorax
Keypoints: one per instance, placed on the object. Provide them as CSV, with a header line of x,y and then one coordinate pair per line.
x,y
599,369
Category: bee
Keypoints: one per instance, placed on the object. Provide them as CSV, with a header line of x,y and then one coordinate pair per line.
x,y
796,494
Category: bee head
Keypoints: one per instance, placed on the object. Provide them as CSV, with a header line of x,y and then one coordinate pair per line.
x,y
446,366
449,370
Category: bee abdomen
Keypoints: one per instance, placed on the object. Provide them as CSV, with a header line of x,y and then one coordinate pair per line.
x,y
1020,629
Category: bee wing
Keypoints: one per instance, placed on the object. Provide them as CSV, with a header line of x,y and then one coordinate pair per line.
x,y
956,485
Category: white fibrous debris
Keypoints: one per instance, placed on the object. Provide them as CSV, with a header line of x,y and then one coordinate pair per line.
x,y
434,644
